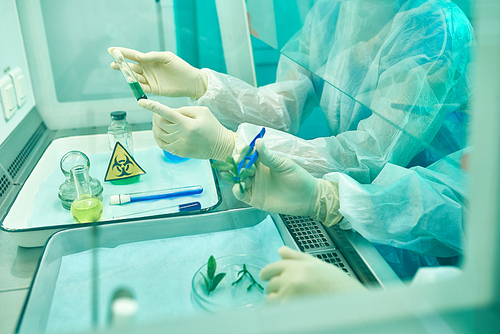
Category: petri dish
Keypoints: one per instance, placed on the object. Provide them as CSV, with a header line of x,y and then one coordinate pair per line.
x,y
227,296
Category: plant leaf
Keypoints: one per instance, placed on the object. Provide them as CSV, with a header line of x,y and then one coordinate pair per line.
x,y
234,168
206,283
221,165
228,177
243,154
217,280
246,173
211,267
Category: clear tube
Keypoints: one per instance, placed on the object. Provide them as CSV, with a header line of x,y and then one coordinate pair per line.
x,y
129,75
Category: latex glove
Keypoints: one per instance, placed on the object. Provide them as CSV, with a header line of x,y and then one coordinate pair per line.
x,y
282,186
299,273
190,132
164,73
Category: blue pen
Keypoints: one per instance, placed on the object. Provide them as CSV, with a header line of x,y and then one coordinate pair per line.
x,y
156,194
171,209
251,158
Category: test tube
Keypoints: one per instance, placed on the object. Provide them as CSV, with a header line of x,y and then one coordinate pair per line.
x,y
129,75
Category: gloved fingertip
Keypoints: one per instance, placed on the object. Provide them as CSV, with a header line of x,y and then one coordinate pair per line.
x,y
145,103
272,297
110,49
264,154
260,146
237,192
288,253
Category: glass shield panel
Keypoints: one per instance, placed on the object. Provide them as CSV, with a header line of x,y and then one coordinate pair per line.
x,y
407,61
396,146
78,36
393,81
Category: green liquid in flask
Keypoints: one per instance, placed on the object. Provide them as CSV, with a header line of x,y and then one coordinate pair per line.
x,y
137,89
86,209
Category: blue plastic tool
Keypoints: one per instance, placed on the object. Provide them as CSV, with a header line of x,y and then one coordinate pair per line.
x,y
156,194
251,157
171,209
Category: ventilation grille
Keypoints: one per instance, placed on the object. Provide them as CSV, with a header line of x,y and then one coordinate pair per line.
x,y
20,159
311,237
4,185
307,233
335,258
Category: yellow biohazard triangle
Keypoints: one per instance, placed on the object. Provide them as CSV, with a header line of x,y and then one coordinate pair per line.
x,y
122,165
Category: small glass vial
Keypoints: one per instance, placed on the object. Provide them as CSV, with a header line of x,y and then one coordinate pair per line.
x,y
119,131
85,208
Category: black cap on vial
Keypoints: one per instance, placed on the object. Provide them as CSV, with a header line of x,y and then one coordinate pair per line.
x,y
118,115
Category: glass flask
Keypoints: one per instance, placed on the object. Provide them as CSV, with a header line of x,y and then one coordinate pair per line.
x,y
85,208
67,191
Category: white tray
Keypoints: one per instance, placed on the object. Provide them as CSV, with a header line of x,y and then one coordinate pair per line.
x,y
37,212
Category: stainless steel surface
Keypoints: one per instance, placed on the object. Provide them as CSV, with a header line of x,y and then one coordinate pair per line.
x,y
363,258
332,247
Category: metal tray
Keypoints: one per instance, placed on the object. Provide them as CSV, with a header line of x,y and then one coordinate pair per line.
x,y
33,218
53,281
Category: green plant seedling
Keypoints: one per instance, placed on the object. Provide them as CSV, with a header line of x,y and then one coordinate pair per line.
x,y
212,280
242,274
229,169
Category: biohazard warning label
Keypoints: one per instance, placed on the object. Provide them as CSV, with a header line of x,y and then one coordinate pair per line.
x,y
122,165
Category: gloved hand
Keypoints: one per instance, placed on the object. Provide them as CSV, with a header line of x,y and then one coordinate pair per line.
x,y
164,73
190,132
282,186
299,273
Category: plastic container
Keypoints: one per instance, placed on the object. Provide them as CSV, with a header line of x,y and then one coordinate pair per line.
x,y
172,157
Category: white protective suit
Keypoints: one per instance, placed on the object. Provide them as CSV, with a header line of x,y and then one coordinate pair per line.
x,y
417,209
398,84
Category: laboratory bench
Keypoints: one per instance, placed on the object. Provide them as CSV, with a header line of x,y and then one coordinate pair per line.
x,y
17,269
18,265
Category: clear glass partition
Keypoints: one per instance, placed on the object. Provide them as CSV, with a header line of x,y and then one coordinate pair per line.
x,y
78,36
391,77
408,62
394,82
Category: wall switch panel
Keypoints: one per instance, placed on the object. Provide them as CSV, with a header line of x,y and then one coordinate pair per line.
x,y
19,81
8,97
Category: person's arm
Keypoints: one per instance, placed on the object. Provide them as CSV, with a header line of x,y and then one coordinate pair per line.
x,y
418,209
412,89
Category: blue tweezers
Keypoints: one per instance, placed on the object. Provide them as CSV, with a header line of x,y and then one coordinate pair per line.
x,y
251,157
